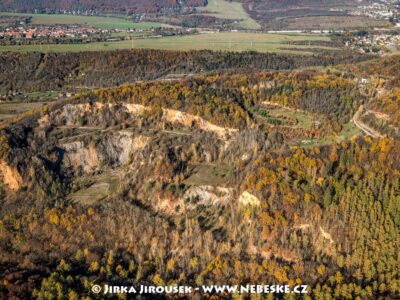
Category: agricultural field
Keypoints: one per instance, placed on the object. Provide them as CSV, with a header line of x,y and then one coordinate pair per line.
x,y
12,109
41,96
224,41
32,100
332,22
315,14
230,10
98,22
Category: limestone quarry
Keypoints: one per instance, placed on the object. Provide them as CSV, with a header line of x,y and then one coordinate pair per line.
x,y
85,140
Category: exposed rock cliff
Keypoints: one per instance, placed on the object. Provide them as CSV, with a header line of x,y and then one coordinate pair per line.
x,y
11,176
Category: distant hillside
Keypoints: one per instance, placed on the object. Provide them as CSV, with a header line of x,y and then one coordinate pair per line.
x,y
300,14
35,71
296,4
126,6
292,6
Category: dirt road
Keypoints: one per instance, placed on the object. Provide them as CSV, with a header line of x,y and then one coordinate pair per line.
x,y
363,127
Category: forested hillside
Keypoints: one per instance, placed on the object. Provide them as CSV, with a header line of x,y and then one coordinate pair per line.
x,y
37,71
117,6
237,175
309,14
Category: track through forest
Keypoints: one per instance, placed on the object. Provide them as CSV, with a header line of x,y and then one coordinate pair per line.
x,y
363,127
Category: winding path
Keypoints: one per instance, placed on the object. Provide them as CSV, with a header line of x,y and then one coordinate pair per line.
x,y
363,127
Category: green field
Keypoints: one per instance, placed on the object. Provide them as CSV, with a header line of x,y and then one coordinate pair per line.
x,y
224,41
333,22
98,22
230,10
286,117
41,96
348,132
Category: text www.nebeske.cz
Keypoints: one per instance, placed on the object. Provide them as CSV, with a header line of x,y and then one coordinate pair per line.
x,y
231,289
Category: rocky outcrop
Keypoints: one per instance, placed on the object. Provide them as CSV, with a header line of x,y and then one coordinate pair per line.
x,y
189,120
99,114
79,157
209,195
196,195
113,149
248,199
11,177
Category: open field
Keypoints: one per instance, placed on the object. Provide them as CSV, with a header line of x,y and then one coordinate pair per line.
x,y
41,96
10,110
230,10
209,174
224,41
332,22
99,22
286,117
99,187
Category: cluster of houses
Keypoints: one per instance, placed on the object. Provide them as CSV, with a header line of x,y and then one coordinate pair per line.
x,y
63,33
378,42
376,10
56,31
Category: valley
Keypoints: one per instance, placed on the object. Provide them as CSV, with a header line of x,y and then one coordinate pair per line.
x,y
224,41
216,25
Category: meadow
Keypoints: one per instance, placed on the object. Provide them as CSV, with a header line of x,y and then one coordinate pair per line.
x,y
229,10
10,110
333,22
222,41
348,132
98,22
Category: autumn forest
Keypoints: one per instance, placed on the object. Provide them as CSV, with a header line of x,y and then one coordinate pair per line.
x,y
282,172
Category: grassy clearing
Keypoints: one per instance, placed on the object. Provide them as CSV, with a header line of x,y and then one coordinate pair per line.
x,y
99,187
41,96
10,110
223,41
276,115
98,22
209,174
349,131
230,10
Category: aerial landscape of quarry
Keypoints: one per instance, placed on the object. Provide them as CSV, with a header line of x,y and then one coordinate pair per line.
x,y
199,149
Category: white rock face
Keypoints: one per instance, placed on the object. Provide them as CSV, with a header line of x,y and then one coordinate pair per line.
x,y
10,176
210,194
78,157
248,199
115,148
70,113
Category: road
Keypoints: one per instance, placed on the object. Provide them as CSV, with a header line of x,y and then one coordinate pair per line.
x,y
363,127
